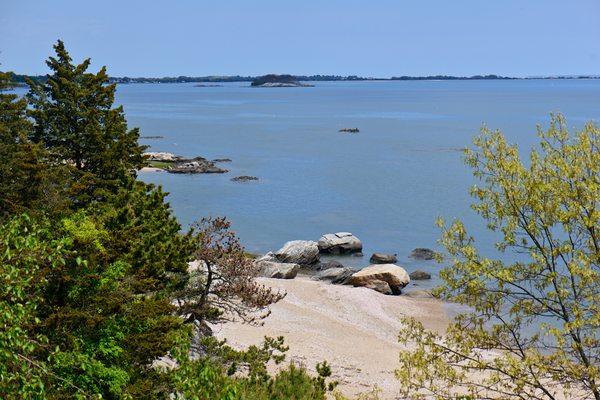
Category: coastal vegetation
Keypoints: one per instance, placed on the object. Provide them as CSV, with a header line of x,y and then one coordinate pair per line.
x,y
533,326
98,298
104,295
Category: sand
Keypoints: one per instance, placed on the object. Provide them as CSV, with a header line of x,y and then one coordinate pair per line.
x,y
354,329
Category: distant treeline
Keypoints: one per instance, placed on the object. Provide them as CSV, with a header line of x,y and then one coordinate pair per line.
x,y
21,79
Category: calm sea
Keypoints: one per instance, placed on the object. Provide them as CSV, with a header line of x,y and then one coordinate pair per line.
x,y
386,184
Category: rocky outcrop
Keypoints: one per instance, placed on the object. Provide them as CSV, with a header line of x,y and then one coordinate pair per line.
x,y
162,156
349,130
271,269
380,258
339,243
303,252
198,165
422,254
336,275
244,178
419,275
395,276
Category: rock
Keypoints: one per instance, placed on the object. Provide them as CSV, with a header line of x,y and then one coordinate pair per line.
x,y
379,286
423,254
270,269
198,165
419,294
222,160
349,130
419,275
339,243
395,276
335,275
244,178
304,252
379,258
270,256
359,254
329,264
162,156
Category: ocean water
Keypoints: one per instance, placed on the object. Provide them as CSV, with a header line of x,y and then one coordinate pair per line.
x,y
386,184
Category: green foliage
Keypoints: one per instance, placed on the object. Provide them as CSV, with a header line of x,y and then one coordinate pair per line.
x,y
94,285
26,181
533,326
224,373
75,120
20,251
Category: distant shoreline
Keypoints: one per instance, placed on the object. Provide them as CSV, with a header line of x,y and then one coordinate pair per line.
x,y
21,79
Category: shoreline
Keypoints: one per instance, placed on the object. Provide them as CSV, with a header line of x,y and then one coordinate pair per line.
x,y
347,326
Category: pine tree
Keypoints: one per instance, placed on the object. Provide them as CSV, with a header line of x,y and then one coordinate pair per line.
x,y
76,121
27,182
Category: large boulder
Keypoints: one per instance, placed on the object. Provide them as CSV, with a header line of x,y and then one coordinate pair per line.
x,y
380,258
303,252
270,269
421,253
336,275
339,243
395,276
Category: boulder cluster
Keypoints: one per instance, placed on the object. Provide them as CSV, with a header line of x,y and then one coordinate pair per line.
x,y
382,275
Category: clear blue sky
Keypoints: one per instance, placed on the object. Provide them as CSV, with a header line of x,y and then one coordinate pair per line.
x,y
371,38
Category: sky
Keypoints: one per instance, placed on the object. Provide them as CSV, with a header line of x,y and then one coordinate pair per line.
x,y
377,38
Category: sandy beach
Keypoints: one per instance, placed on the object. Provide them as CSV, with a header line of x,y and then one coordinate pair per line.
x,y
354,329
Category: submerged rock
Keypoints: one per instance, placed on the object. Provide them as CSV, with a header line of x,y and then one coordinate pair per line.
x,y
349,130
222,160
395,276
244,178
419,275
339,243
380,258
421,253
303,252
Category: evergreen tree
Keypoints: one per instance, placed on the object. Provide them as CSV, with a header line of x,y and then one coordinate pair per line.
x,y
76,121
27,182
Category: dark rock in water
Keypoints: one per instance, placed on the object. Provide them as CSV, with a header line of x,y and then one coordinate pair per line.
x,y
329,264
197,165
336,275
222,160
349,130
244,178
359,254
423,254
419,275
380,258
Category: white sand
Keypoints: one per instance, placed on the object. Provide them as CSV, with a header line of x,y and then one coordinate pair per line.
x,y
354,329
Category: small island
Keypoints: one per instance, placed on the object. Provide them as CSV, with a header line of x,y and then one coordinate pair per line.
x,y
273,80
